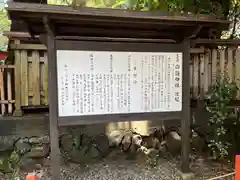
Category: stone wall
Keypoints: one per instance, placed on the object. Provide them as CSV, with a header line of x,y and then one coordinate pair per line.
x,y
32,152
25,143
25,152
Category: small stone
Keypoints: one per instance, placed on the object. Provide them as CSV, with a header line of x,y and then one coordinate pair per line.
x,y
45,139
185,176
6,143
39,152
22,147
39,140
35,140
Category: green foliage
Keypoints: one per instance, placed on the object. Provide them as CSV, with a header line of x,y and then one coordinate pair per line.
x,y
219,8
4,26
220,96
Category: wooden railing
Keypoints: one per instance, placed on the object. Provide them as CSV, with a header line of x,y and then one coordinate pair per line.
x,y
206,68
6,96
31,75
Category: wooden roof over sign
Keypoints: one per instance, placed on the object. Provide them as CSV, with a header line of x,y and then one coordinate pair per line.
x,y
91,22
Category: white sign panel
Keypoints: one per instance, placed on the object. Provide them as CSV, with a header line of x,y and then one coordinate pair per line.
x,y
107,82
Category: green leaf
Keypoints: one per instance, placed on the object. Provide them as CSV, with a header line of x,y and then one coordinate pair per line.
x,y
163,5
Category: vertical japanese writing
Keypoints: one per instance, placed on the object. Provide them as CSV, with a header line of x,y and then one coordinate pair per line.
x,y
66,82
177,79
129,83
104,87
81,84
78,93
111,85
142,84
159,81
153,80
62,91
91,62
97,92
74,92
146,88
162,88
92,93
168,82
84,93
101,91
108,93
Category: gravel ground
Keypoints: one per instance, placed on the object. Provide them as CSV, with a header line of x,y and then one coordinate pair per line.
x,y
116,168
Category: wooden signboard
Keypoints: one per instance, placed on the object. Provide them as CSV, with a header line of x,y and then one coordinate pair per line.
x,y
100,82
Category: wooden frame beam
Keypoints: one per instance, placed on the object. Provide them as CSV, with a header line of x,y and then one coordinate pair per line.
x,y
185,120
223,42
53,109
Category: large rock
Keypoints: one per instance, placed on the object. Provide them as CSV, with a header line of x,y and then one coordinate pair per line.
x,y
39,151
115,138
22,146
39,140
101,143
7,143
173,141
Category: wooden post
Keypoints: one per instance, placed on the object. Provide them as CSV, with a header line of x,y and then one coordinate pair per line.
x,y
237,75
214,66
185,119
24,78
206,72
36,78
9,90
45,79
196,76
2,92
17,77
202,79
53,108
222,64
230,64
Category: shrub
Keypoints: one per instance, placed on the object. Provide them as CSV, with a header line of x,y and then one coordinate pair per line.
x,y
221,121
